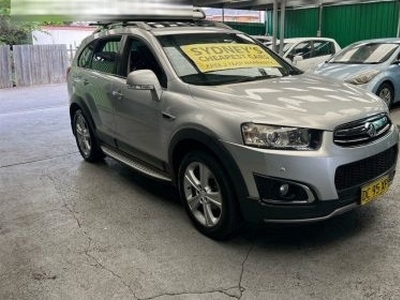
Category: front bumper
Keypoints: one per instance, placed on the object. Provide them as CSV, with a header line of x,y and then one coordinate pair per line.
x,y
333,174
258,210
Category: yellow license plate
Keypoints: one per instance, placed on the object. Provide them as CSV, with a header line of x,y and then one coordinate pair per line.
x,y
373,190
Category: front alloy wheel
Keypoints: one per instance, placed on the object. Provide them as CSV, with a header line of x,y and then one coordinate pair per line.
x,y
207,195
203,194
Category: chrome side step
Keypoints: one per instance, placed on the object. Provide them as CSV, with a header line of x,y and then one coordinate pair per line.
x,y
134,164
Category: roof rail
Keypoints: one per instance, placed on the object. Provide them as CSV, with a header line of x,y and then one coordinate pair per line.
x,y
215,24
159,24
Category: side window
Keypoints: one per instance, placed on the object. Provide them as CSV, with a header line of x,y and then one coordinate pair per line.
x,y
105,55
323,48
86,56
303,49
141,57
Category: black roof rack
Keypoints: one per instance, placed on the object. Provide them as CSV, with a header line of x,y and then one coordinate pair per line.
x,y
157,21
196,14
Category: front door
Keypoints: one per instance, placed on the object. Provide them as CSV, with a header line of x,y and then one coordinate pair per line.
x,y
138,112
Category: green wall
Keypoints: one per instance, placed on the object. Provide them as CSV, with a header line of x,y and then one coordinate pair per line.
x,y
351,23
301,22
249,28
345,23
298,23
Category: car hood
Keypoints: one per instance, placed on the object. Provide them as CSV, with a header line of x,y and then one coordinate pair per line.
x,y
345,71
302,101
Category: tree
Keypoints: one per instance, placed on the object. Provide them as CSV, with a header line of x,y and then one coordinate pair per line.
x,y
13,32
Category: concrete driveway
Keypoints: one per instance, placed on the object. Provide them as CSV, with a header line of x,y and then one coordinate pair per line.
x,y
74,230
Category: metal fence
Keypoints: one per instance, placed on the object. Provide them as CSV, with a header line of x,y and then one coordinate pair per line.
x,y
27,65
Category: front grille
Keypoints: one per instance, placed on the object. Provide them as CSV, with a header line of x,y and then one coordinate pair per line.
x,y
362,131
362,171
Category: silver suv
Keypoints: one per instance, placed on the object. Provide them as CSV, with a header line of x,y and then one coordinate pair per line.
x,y
242,134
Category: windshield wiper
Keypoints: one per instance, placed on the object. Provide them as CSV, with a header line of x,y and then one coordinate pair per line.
x,y
292,72
246,79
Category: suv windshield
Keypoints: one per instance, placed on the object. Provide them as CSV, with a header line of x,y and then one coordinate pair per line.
x,y
221,58
367,53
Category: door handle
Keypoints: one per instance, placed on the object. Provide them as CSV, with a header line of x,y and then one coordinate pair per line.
x,y
117,95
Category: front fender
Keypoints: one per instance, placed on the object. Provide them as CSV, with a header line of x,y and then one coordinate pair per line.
x,y
195,138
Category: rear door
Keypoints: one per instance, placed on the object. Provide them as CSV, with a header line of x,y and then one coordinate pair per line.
x,y
97,66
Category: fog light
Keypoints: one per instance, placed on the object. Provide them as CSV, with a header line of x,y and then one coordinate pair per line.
x,y
283,190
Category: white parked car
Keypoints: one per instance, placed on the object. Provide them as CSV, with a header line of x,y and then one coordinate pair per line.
x,y
307,52
264,39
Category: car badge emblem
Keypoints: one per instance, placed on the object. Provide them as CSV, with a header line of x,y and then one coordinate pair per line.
x,y
370,129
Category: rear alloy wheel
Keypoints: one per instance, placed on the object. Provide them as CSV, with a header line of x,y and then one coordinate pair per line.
x,y
85,139
385,92
207,195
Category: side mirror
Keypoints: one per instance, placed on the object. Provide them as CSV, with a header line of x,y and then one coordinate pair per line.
x,y
144,80
297,58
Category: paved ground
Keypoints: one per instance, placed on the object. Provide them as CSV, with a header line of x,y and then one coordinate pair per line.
x,y
73,230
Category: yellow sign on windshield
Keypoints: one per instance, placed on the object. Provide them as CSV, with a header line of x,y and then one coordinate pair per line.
x,y
223,56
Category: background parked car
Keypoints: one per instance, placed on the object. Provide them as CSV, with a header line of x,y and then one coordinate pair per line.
x,y
371,64
264,39
307,52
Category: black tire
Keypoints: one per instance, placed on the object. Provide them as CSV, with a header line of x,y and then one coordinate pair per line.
x,y
85,139
386,92
207,195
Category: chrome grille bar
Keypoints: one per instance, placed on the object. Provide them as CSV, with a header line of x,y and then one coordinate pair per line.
x,y
362,131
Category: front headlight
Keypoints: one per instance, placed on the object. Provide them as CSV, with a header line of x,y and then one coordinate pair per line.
x,y
278,137
363,77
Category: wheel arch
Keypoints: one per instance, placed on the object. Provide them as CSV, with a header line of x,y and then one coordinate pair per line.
x,y
389,82
77,104
187,140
